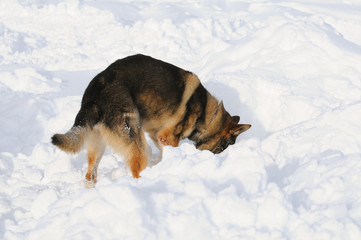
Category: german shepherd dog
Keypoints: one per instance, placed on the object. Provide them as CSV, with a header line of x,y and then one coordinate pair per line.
x,y
140,94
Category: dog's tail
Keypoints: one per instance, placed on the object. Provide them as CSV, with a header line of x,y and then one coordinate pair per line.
x,y
73,140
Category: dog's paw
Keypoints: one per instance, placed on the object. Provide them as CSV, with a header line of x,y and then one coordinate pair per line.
x,y
88,184
170,140
163,141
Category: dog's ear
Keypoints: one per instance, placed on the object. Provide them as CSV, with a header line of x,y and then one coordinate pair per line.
x,y
235,119
239,128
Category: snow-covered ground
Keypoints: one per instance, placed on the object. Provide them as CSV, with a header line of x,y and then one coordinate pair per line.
x,y
292,69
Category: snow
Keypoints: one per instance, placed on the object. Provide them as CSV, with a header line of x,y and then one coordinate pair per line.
x,y
290,68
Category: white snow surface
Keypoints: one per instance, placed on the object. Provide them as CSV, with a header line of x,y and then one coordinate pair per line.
x,y
292,69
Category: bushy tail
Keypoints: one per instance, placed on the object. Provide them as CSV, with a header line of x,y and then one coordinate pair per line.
x,y
72,141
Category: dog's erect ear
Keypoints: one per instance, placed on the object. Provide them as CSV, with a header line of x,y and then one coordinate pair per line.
x,y
235,119
239,128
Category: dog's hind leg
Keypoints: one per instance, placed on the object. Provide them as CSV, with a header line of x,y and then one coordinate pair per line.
x,y
95,148
124,135
136,156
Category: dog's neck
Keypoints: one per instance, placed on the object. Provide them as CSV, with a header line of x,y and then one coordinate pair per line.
x,y
203,128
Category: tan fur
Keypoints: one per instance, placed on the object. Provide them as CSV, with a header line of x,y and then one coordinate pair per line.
x,y
137,160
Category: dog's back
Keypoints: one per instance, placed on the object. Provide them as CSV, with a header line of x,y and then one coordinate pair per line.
x,y
154,86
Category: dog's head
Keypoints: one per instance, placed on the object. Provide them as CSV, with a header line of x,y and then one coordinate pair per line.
x,y
221,131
